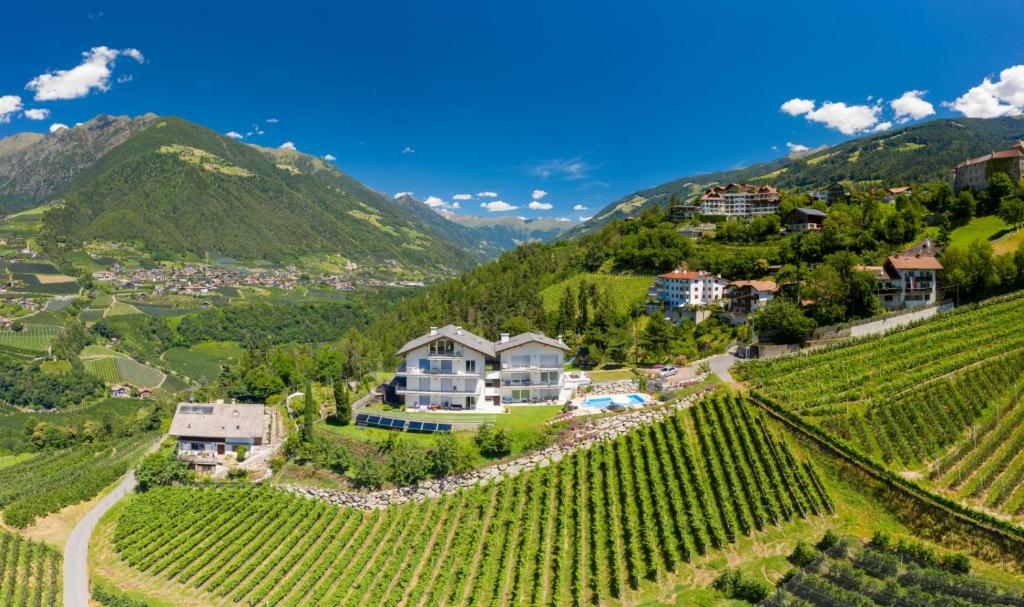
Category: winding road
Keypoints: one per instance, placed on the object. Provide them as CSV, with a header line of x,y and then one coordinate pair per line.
x,y
76,551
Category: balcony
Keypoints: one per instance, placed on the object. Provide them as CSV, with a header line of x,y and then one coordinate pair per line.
x,y
463,391
434,372
201,458
440,355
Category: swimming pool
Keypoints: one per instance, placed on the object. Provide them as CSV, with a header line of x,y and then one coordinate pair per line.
x,y
626,400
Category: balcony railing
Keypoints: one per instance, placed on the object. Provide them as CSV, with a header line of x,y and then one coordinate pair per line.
x,y
435,372
528,382
452,390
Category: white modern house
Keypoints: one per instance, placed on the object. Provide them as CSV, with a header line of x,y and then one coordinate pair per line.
x,y
452,369
906,281
682,294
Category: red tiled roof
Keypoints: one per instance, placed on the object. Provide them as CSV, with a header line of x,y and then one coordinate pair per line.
x,y
917,262
758,285
1016,151
682,275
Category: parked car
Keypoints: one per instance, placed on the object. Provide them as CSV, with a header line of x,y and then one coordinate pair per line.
x,y
666,371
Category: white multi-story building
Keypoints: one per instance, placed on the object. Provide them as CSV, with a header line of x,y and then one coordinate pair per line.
x,y
451,368
682,294
906,281
740,200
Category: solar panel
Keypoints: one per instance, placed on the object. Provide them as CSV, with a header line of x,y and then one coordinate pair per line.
x,y
429,427
373,420
444,427
398,423
361,419
415,427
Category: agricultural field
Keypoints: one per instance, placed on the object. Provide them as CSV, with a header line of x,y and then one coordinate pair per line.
x,y
32,338
113,412
114,367
42,485
888,573
30,573
202,362
625,292
941,399
598,525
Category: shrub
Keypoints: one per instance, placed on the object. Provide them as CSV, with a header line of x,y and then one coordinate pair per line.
x,y
368,473
161,468
735,585
492,441
276,463
240,452
238,474
406,463
957,562
830,539
803,555
448,456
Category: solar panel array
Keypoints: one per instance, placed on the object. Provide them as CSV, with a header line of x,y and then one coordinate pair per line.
x,y
405,425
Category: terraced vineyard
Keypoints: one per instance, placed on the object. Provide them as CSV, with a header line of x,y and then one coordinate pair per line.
x,y
908,396
32,338
589,529
30,573
850,574
46,483
114,367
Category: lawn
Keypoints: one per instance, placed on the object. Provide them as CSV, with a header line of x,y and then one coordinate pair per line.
x,y
989,228
626,292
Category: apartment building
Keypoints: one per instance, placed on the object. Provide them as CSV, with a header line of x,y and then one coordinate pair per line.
x,y
682,293
738,200
906,281
451,368
973,174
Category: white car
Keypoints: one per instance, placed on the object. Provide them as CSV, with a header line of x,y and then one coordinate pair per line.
x,y
666,371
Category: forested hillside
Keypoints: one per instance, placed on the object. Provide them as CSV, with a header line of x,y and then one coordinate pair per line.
x,y
917,153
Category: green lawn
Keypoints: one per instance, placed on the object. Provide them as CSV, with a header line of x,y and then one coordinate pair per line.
x,y
988,228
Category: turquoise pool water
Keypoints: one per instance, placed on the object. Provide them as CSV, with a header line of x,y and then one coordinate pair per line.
x,y
602,402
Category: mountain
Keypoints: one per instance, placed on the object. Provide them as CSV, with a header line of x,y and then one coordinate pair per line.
x,y
920,152
36,168
175,188
510,232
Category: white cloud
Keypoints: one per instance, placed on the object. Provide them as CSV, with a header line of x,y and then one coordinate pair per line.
x,y
408,150
564,168
796,147
1004,97
563,219
403,194
847,119
330,157
456,205
579,207
462,197
911,106
272,120
234,135
287,145
538,194
37,114
486,194
125,78
539,206
92,73
797,106
586,218
434,202
57,126
882,126
9,105
498,206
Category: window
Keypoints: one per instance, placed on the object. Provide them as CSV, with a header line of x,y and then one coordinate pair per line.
x,y
424,384
442,347
549,377
550,360
520,360
424,364
447,385
446,366
470,366
195,446
520,395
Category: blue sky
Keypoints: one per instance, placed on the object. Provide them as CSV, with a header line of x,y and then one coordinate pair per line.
x,y
583,101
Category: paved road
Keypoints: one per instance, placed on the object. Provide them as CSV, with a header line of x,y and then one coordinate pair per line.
x,y
76,552
721,364
886,324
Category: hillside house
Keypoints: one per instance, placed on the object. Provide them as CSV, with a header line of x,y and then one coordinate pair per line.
x,y
739,200
450,368
804,220
891,194
973,174
685,294
906,281
837,192
744,297
207,432
119,391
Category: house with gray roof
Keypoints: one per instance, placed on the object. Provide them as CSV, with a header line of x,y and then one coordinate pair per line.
x,y
208,432
451,368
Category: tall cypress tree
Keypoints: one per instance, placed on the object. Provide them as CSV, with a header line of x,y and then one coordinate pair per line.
x,y
309,414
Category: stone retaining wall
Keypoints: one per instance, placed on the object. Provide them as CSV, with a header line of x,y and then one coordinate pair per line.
x,y
585,434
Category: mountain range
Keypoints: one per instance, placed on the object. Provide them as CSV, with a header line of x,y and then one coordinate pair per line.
x,y
916,153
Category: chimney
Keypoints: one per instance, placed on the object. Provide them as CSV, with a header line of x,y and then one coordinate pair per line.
x,y
458,330
433,330
559,337
504,338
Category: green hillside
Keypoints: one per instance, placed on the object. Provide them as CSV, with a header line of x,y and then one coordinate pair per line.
x,y
625,292
178,188
920,152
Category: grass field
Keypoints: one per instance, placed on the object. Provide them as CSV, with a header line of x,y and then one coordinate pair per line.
x,y
119,308
989,228
626,292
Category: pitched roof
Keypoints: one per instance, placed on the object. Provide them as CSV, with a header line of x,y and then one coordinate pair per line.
x,y
525,338
218,420
917,262
808,212
879,272
757,285
454,333
1016,151
899,190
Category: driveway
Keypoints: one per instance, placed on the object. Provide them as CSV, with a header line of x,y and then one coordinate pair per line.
x,y
720,365
76,552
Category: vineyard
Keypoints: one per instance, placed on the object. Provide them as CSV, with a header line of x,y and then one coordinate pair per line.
x,y
589,529
30,573
850,574
32,338
48,482
908,396
114,367
109,413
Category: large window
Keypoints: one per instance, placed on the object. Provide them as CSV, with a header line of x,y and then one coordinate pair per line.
x,y
471,366
519,361
549,377
519,396
550,360
442,347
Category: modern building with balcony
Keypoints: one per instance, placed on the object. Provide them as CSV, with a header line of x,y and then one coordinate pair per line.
x,y
740,200
685,294
450,368
906,281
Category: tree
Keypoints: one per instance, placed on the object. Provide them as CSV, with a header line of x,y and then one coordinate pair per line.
x,y
160,468
447,456
657,337
492,441
406,463
1000,186
310,414
782,321
1011,210
566,318
964,207
240,452
342,402
367,473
